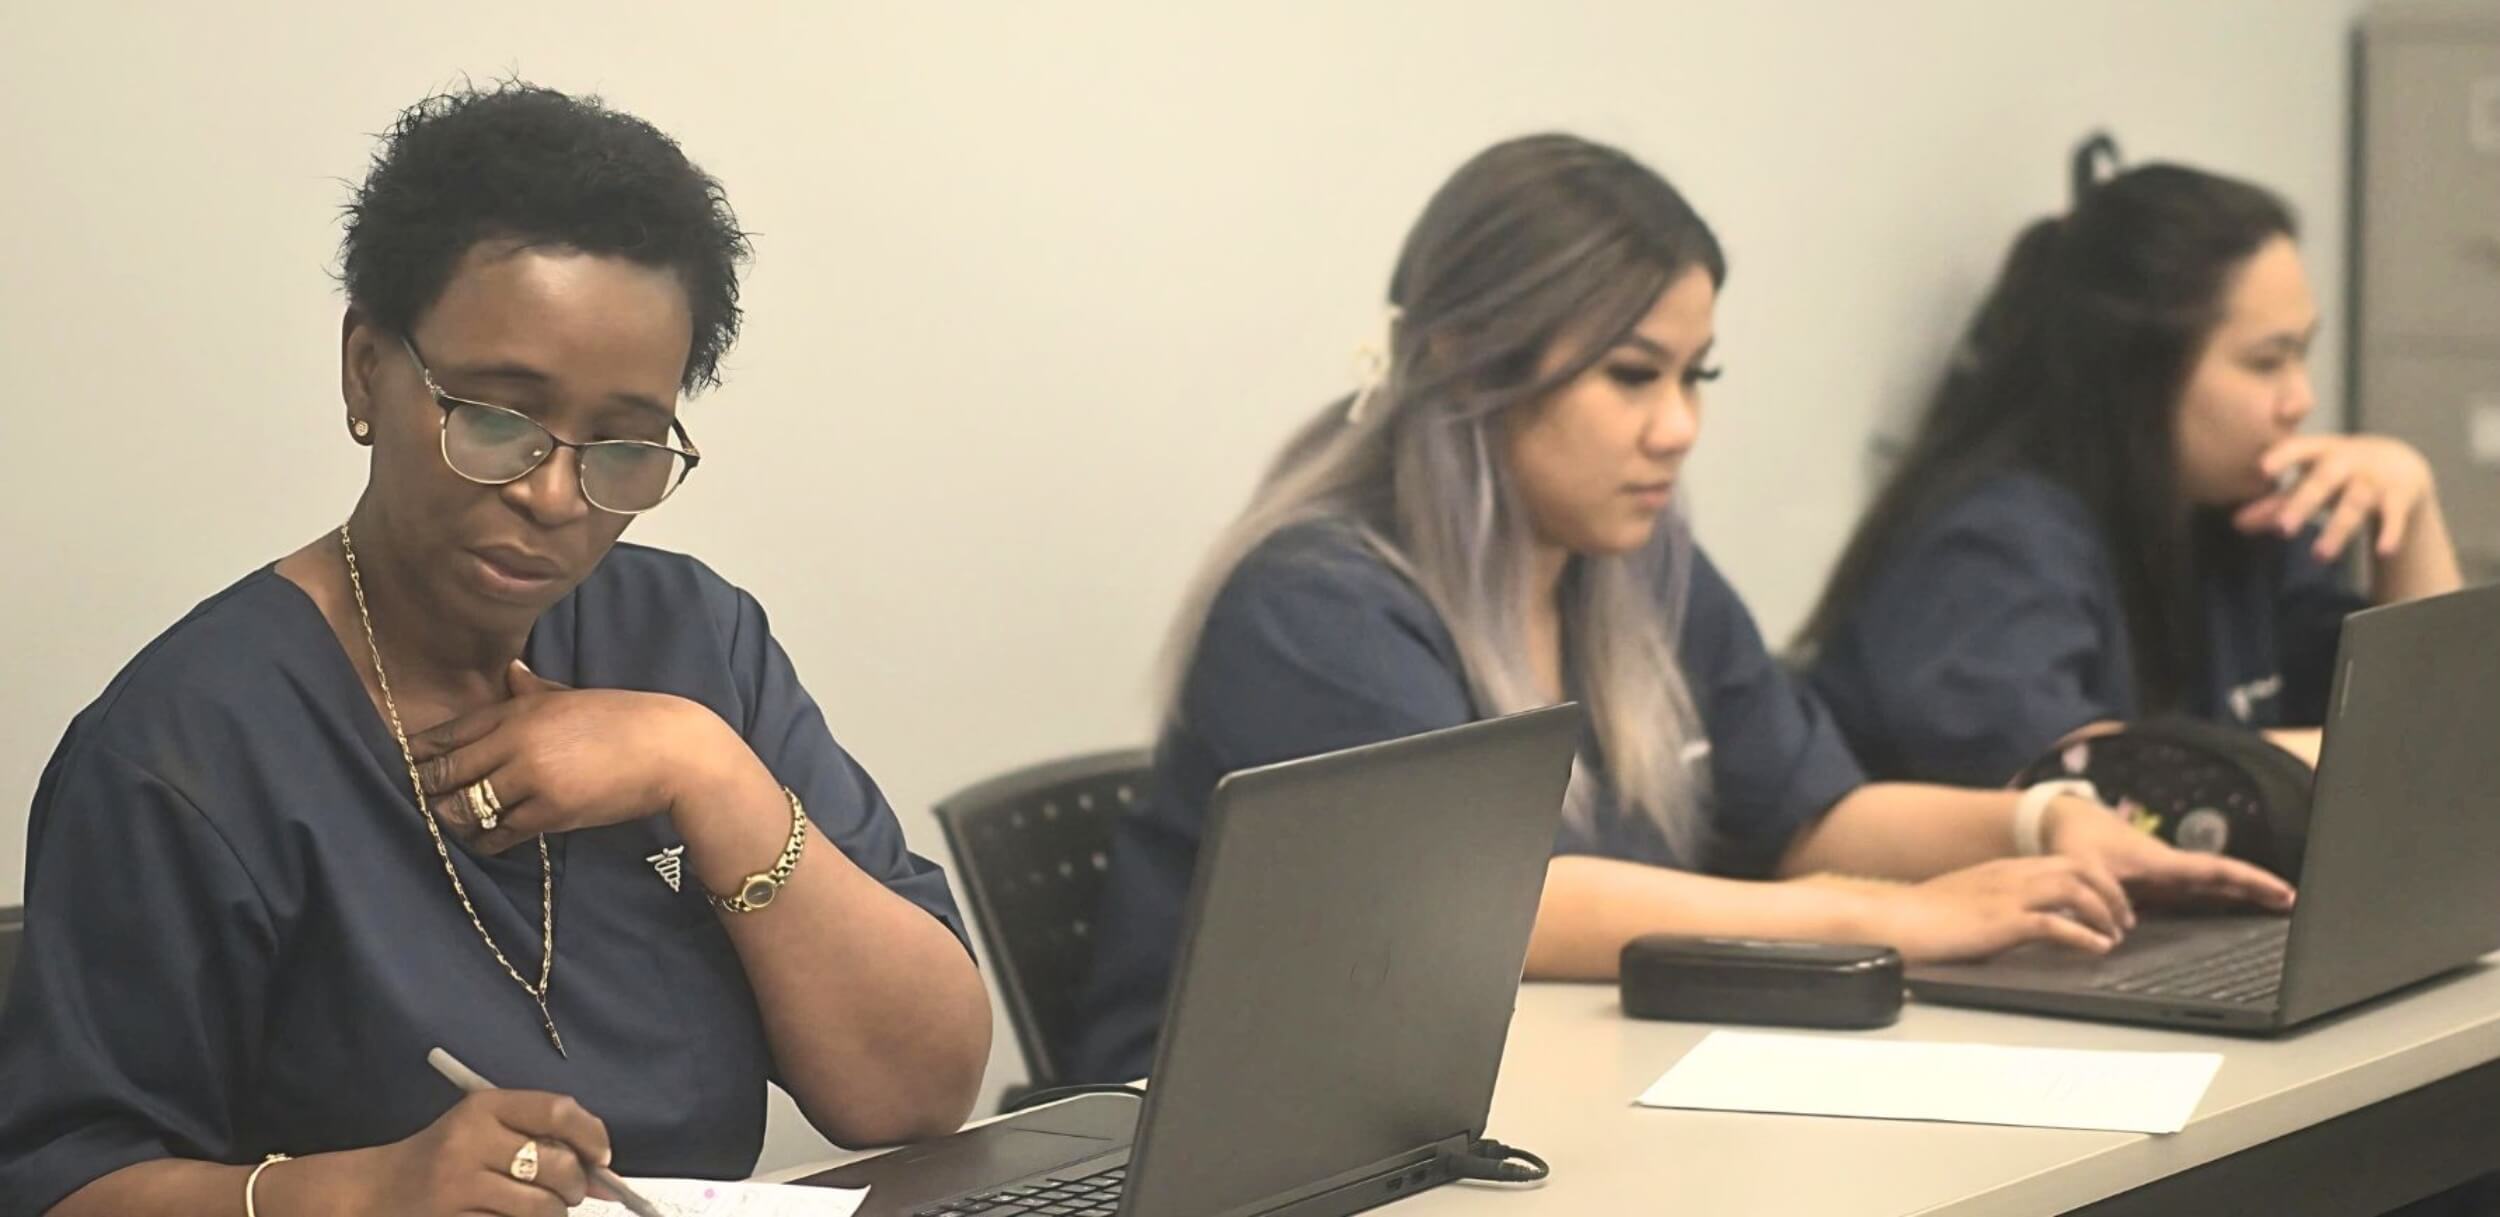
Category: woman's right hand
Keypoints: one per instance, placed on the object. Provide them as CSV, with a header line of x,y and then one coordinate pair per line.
x,y
1980,910
462,1163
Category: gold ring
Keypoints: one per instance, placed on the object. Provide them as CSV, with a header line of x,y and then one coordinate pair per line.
x,y
486,790
525,1162
485,814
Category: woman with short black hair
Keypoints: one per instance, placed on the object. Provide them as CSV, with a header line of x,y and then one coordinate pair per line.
x,y
466,771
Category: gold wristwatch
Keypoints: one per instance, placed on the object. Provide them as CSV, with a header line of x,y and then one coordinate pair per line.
x,y
760,889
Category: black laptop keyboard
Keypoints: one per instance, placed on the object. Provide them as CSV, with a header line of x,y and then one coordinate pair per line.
x,y
1096,1195
2248,970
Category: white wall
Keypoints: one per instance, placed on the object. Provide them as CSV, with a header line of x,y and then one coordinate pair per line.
x,y
1038,289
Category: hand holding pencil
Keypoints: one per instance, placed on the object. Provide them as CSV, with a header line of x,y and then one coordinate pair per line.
x,y
574,1140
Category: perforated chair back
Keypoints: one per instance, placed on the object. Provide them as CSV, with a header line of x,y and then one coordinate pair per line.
x,y
1031,848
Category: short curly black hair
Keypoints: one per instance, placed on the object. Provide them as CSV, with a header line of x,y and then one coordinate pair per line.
x,y
517,160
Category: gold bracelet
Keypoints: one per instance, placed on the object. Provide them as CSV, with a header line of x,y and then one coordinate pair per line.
x,y
251,1183
757,891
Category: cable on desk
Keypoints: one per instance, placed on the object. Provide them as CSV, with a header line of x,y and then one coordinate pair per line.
x,y
1493,1162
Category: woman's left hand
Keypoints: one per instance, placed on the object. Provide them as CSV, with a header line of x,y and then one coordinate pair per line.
x,y
560,758
2152,868
2363,478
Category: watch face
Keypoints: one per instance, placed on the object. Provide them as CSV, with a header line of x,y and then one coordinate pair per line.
x,y
759,892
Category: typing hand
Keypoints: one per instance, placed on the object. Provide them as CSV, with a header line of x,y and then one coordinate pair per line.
x,y
2092,835
1980,910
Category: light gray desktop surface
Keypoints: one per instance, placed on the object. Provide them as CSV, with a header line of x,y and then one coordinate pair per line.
x,y
1574,1064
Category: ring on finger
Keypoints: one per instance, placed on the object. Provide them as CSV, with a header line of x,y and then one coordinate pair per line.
x,y
524,1165
482,806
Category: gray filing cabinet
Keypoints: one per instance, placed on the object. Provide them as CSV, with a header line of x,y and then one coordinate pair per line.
x,y
2426,264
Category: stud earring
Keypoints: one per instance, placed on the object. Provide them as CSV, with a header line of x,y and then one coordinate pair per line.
x,y
360,427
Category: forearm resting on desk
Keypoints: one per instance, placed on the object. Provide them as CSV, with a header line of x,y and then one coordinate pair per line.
x,y
1593,906
1907,831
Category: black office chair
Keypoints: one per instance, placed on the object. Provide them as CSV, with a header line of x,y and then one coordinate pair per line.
x,y
1031,848
12,927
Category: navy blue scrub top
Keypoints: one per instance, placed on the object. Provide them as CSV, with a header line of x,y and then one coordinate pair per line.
x,y
1995,628
1315,644
240,940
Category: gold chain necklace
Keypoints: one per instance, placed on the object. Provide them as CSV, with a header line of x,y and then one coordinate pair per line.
x,y
416,784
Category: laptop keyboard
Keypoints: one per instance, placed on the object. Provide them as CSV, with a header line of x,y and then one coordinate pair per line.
x,y
2248,970
1095,1195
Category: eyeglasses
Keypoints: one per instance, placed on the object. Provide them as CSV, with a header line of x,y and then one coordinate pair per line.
x,y
494,446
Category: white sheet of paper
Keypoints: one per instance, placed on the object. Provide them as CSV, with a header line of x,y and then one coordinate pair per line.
x,y
2152,1092
709,1198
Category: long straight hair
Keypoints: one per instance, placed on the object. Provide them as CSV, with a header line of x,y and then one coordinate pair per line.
x,y
1533,243
2073,368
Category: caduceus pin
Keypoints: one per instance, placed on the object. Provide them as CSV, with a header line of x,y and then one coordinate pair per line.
x,y
671,864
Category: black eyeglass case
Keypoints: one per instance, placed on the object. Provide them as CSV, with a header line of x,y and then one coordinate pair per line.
x,y
1773,983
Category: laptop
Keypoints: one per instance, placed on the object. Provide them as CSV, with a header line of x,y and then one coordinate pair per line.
x,y
2400,881
1347,968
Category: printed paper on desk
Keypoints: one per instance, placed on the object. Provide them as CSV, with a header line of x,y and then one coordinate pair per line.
x,y
2152,1092
707,1198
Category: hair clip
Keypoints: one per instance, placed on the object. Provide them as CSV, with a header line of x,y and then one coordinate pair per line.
x,y
1371,363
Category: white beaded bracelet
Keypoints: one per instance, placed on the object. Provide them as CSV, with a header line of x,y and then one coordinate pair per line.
x,y
2033,807
251,1184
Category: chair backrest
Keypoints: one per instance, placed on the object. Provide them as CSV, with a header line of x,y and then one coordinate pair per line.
x,y
12,927
1031,848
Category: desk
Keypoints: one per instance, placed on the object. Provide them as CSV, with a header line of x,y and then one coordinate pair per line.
x,y
2352,1115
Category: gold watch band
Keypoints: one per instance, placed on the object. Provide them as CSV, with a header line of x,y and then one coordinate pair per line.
x,y
757,891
